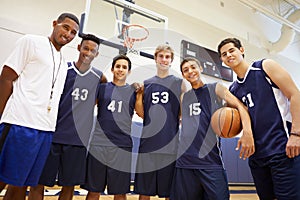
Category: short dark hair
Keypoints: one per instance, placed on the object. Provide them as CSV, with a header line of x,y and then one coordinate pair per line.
x,y
63,16
236,42
187,59
90,37
119,57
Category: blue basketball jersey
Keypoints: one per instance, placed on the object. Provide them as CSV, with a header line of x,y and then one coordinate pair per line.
x,y
199,146
76,107
115,110
161,115
268,109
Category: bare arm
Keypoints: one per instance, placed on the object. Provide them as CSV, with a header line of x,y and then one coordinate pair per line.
x,y
139,105
103,79
246,142
285,83
184,86
183,90
7,77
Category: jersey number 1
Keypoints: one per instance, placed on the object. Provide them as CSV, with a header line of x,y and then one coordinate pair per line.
x,y
113,104
248,100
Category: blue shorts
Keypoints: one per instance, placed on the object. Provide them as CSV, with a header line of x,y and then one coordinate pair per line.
x,y
156,182
103,170
194,184
23,154
68,162
276,177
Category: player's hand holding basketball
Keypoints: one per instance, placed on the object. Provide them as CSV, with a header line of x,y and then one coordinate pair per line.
x,y
246,141
246,144
226,123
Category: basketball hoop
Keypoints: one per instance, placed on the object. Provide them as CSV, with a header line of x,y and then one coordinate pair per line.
x,y
134,33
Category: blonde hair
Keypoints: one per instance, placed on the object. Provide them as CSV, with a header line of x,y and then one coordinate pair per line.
x,y
164,47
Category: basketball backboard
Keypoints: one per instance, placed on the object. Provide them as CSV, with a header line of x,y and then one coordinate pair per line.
x,y
104,18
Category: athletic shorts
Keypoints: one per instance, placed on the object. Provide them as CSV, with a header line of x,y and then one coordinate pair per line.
x,y
159,180
108,167
276,177
23,154
194,184
66,164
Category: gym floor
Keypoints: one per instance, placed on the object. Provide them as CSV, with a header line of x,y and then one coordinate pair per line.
x,y
236,193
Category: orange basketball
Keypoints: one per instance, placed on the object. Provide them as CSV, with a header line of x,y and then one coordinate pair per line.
x,y
226,122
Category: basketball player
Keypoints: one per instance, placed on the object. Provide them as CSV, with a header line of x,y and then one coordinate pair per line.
x,y
273,101
200,173
157,151
109,157
67,157
31,83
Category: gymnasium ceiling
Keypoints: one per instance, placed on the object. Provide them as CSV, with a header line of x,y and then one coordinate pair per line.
x,y
261,23
270,24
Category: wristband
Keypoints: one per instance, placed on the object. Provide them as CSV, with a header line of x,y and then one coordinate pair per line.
x,y
296,134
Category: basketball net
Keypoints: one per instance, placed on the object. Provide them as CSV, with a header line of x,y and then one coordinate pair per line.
x,y
134,33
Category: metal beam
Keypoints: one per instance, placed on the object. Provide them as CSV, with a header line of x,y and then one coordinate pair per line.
x,y
294,2
268,13
140,10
